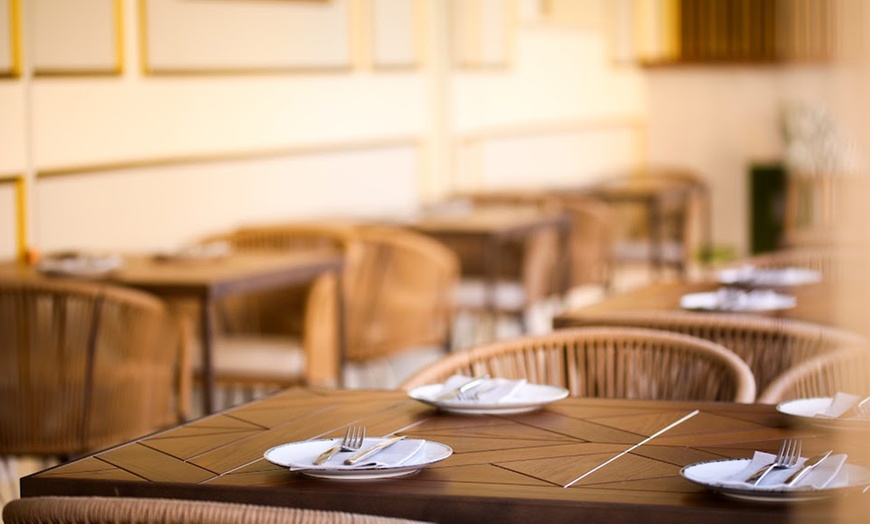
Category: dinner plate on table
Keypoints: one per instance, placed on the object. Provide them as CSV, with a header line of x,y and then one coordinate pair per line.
x,y
711,475
411,456
772,277
805,411
527,397
737,301
82,265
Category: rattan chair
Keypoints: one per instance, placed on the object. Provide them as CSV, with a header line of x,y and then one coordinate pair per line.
x,y
275,339
846,370
120,510
84,366
608,363
770,346
396,286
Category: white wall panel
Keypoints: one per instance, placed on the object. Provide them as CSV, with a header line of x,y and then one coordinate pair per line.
x,y
394,40
8,221
6,38
164,207
12,128
569,158
231,35
75,36
95,121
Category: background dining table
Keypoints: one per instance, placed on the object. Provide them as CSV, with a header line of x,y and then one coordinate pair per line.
x,y
813,302
207,281
495,228
504,468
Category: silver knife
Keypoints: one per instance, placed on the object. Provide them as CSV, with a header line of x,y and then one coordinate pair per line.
x,y
807,467
463,388
380,446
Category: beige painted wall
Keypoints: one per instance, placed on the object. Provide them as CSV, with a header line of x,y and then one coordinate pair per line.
x,y
364,113
386,106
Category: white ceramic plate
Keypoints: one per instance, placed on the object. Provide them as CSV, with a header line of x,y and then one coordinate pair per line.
x,y
80,265
804,410
774,277
528,397
298,456
708,474
753,301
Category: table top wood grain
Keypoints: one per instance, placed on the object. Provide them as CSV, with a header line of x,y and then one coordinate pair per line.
x,y
504,468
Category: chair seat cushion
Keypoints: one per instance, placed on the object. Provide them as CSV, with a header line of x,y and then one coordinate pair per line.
x,y
475,294
268,359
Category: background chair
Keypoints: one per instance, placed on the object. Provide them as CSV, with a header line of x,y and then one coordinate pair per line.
x,y
396,288
120,510
83,366
608,363
846,370
769,346
398,293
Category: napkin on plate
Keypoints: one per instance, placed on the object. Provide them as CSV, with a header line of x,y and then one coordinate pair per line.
x,y
391,457
828,474
840,404
490,391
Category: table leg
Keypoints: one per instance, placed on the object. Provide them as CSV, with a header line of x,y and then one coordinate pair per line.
x,y
654,205
493,266
341,329
207,323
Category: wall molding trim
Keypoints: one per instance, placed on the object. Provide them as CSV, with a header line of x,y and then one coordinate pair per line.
x,y
228,156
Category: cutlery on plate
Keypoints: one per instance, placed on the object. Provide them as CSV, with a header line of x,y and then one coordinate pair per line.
x,y
808,466
352,441
860,409
380,446
789,453
465,388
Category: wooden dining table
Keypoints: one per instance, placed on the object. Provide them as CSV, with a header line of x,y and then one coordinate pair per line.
x,y
813,302
575,460
495,228
653,190
207,281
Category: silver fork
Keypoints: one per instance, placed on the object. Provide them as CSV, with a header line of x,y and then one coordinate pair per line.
x,y
352,441
789,453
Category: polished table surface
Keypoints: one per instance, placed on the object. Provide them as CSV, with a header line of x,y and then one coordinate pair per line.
x,y
209,280
504,469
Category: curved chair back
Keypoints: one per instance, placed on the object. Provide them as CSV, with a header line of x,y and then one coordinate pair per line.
x,y
397,288
608,363
83,366
120,510
846,371
768,345
398,291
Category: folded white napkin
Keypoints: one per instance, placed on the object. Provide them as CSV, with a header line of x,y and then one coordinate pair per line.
x,y
391,457
828,474
840,404
490,391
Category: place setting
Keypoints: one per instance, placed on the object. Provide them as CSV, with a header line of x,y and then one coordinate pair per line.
x,y
787,476
734,299
484,395
79,264
842,411
755,277
358,457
